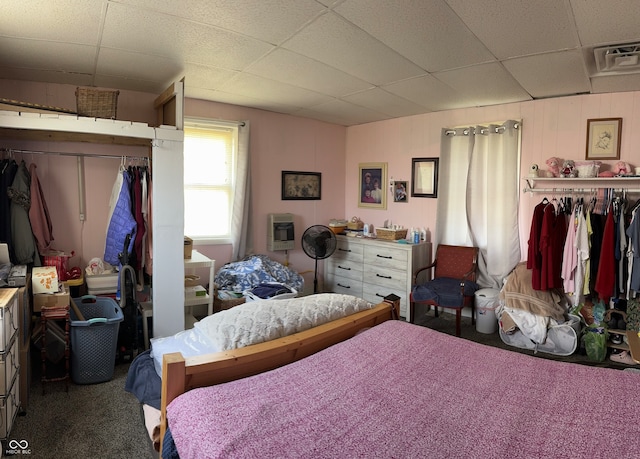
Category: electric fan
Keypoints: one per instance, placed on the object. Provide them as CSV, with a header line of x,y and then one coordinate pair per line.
x,y
318,242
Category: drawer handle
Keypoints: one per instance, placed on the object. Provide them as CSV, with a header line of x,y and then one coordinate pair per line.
x,y
343,286
384,277
344,250
382,256
344,267
381,296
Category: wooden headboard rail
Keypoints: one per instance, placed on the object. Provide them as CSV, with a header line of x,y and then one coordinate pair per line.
x,y
180,375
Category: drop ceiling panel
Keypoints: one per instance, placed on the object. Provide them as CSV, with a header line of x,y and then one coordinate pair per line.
x,y
138,66
611,22
154,33
248,17
211,78
384,102
282,64
428,92
340,44
433,36
273,91
515,28
348,113
62,57
49,76
616,83
568,76
75,21
486,84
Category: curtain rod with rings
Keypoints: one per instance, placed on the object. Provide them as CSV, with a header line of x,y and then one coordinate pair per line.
x,y
466,131
576,190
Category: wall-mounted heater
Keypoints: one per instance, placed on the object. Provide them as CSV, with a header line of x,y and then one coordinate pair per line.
x,y
280,232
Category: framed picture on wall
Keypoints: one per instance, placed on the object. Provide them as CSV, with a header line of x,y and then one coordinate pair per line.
x,y
371,192
603,138
400,191
424,172
301,185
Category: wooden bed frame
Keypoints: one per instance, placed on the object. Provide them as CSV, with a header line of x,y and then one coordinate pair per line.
x,y
180,375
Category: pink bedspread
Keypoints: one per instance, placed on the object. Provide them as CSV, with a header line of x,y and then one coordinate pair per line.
x,y
404,391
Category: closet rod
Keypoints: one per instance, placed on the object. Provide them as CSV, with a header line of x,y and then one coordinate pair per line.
x,y
88,155
577,190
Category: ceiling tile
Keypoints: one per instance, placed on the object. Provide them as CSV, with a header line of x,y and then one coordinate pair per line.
x,y
75,21
185,41
310,74
515,28
273,91
606,23
428,92
349,114
49,76
533,73
485,84
248,17
211,78
338,43
616,83
382,101
433,36
136,66
62,57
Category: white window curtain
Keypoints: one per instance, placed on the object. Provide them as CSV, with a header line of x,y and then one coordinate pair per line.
x,y
241,238
478,195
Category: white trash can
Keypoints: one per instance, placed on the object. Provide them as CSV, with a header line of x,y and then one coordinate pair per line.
x,y
486,304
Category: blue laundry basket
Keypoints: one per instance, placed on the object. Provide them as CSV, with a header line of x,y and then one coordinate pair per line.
x,y
94,340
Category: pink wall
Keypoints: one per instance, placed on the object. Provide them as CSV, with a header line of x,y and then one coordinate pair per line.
x,y
550,127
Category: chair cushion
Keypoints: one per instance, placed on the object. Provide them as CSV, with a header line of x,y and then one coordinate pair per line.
x,y
445,291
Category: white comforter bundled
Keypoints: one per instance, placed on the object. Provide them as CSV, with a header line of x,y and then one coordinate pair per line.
x,y
256,322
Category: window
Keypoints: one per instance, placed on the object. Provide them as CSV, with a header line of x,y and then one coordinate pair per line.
x,y
210,154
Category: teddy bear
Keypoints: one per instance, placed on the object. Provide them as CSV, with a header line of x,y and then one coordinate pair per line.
x,y
622,168
568,169
553,165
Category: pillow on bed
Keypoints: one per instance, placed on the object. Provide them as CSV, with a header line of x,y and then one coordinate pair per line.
x,y
256,322
265,320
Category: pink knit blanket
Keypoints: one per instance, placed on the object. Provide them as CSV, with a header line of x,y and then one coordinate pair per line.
x,y
403,391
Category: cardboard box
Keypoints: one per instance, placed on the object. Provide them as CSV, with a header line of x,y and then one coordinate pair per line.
x,y
196,291
17,276
44,279
188,247
52,300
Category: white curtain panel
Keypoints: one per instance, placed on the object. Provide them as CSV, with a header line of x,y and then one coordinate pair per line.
x,y
241,240
478,195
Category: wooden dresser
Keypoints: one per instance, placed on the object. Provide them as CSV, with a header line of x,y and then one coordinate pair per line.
x,y
9,360
374,268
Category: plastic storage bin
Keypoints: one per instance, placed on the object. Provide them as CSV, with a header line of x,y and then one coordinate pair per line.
x,y
486,304
94,340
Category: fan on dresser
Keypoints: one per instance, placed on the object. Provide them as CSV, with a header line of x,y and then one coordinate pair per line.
x,y
318,242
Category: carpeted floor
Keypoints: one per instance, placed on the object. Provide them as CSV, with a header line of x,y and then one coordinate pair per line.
x,y
102,420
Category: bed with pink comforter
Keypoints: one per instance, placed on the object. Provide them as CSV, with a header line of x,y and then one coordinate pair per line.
x,y
400,390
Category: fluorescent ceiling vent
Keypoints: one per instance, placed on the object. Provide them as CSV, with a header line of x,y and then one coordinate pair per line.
x,y
618,59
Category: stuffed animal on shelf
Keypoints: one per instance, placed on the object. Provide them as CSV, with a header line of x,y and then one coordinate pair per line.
x,y
622,168
553,165
568,169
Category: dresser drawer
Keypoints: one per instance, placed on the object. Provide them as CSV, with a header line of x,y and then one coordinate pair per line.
x,y
392,278
9,364
376,294
386,257
349,250
8,409
345,268
9,318
344,285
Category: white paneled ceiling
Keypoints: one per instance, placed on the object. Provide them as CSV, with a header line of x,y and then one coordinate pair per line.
x,y
345,61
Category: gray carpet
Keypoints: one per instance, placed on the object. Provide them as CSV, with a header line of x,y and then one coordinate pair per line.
x,y
97,420
102,420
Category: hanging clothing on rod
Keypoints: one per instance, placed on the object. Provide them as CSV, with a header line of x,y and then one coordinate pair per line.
x,y
143,159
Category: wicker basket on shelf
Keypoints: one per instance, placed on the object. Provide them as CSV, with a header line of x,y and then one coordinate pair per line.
x,y
391,234
97,103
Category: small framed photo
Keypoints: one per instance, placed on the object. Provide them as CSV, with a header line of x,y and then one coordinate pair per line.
x,y
373,177
301,185
424,172
400,191
603,138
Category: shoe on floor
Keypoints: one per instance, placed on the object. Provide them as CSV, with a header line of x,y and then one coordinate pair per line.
x,y
622,357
